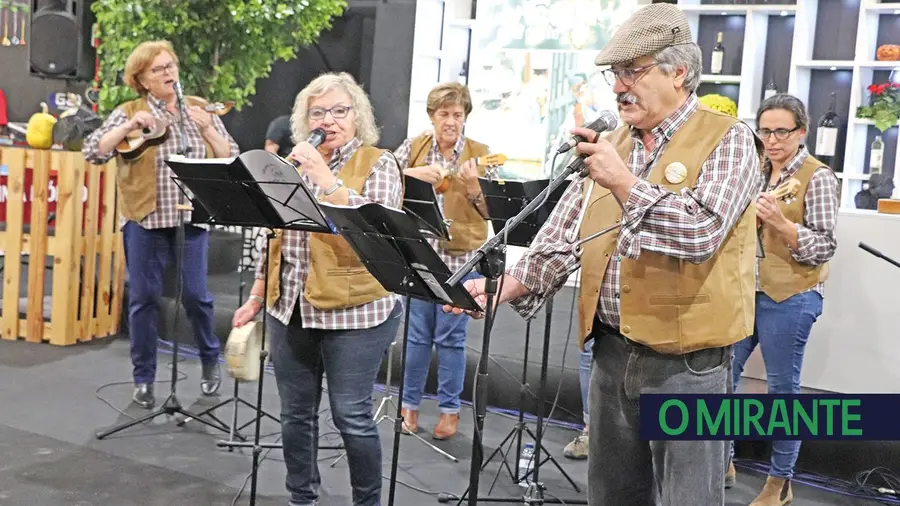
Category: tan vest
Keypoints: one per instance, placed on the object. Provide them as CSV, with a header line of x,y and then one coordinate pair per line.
x,y
336,277
780,276
668,304
469,229
137,179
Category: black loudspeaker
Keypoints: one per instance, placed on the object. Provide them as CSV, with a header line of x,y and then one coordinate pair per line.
x,y
60,45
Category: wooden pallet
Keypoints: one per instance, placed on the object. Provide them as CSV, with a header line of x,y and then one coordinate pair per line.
x,y
82,238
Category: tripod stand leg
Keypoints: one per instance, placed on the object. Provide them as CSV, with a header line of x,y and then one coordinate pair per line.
x,y
132,423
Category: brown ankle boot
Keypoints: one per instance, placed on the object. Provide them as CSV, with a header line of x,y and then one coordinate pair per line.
x,y
446,427
776,492
410,421
730,475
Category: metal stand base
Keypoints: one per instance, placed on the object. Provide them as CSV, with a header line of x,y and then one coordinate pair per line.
x,y
171,406
388,400
234,429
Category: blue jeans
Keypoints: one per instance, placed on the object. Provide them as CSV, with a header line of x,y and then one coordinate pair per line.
x,y
147,253
781,331
430,326
350,359
584,378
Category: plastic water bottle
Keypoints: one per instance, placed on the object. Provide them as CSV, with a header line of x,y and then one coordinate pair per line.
x,y
526,462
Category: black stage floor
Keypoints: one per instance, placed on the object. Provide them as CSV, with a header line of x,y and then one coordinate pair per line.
x,y
49,455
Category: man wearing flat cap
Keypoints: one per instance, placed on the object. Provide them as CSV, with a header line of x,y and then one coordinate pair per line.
x,y
666,294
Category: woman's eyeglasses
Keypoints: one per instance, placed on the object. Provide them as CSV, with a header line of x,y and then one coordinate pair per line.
x,y
337,112
780,133
162,69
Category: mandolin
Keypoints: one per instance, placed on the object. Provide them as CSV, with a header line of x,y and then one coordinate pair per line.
x,y
136,142
488,161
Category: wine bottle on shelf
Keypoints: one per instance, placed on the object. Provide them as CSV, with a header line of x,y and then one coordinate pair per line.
x,y
876,156
718,56
827,133
771,89
463,74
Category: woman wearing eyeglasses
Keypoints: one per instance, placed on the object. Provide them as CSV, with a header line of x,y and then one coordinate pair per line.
x,y
798,241
149,217
327,314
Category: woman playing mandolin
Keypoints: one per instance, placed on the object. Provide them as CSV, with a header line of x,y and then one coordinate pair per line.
x,y
148,205
798,241
447,159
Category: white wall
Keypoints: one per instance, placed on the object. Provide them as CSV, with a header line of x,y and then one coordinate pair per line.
x,y
854,346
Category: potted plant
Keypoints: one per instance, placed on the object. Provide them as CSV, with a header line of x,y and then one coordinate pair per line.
x,y
884,105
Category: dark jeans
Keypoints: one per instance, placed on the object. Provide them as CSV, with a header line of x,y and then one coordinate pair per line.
x,y
350,359
781,331
147,253
624,470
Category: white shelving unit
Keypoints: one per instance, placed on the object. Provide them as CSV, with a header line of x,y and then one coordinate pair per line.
x,y
802,64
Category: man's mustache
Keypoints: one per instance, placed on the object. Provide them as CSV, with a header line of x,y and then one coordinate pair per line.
x,y
626,98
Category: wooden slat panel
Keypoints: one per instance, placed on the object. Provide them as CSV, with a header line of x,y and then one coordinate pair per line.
x,y
119,267
65,272
107,247
86,319
37,259
23,328
12,240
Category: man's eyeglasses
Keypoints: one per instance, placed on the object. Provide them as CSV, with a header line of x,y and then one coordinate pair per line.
x,y
780,133
162,69
337,112
627,76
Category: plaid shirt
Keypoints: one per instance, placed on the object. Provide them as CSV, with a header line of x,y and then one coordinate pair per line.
x,y
815,236
383,186
435,157
689,225
168,193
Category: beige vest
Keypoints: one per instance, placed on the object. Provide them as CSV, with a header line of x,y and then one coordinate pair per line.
x,y
780,276
668,304
336,277
137,179
469,229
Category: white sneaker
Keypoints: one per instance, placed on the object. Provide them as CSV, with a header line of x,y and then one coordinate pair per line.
x,y
578,448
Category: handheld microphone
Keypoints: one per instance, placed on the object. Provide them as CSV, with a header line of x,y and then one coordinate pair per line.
x,y
316,138
606,121
179,92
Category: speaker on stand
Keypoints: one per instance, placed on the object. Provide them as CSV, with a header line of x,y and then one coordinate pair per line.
x,y
61,44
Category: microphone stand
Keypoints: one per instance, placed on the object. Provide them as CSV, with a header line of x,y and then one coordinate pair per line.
x,y
490,259
879,254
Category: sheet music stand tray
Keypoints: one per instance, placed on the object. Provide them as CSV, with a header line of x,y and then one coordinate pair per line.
x,y
256,189
505,199
420,202
391,246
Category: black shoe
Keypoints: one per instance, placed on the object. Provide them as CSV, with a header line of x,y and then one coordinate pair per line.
x,y
143,395
211,379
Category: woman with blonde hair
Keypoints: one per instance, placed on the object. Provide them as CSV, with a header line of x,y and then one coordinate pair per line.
x,y
149,216
328,315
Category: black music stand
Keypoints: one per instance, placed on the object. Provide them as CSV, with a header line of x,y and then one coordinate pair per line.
x,y
490,260
256,189
505,200
420,202
391,246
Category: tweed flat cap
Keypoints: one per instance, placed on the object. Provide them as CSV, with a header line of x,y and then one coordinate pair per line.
x,y
648,30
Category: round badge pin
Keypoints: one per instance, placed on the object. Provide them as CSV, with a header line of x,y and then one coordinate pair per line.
x,y
676,172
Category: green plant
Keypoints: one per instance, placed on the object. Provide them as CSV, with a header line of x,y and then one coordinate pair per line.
x,y
223,46
885,105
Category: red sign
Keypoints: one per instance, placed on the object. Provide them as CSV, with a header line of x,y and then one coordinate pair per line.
x,y
52,197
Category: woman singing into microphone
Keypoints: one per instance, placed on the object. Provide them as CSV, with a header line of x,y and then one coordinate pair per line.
x,y
327,313
149,217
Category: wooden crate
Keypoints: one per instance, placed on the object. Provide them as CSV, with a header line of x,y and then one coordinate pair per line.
x,y
68,214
